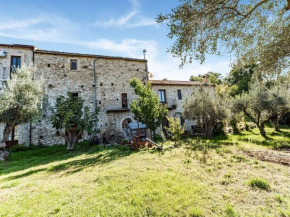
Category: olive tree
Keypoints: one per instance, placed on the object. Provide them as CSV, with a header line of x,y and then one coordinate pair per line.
x,y
263,104
207,108
20,99
250,30
71,115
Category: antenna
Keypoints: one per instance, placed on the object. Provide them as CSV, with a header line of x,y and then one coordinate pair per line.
x,y
144,53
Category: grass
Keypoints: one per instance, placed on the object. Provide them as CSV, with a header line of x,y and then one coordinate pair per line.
x,y
199,178
259,183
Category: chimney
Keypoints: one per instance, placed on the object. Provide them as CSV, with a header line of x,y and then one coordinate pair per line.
x,y
205,80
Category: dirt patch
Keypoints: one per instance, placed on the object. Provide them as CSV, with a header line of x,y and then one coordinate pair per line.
x,y
280,157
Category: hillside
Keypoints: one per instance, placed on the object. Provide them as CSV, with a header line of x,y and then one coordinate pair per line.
x,y
216,177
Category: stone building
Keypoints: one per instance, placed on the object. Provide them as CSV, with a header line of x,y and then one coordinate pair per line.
x,y
175,93
102,81
71,72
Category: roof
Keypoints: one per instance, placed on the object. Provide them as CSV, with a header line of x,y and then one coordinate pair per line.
x,y
39,51
31,47
86,55
180,83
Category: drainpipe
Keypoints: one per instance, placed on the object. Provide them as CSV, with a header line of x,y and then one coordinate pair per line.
x,y
95,84
30,124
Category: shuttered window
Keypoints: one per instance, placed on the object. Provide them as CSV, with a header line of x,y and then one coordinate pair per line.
x,y
124,100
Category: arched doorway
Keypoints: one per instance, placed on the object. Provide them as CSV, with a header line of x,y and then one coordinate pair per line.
x,y
125,126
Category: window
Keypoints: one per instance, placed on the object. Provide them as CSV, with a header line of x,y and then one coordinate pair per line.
x,y
75,94
73,65
15,63
162,96
182,121
179,96
124,100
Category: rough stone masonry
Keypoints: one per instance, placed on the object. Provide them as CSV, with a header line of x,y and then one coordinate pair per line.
x,y
72,72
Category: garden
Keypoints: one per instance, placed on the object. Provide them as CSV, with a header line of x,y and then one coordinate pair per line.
x,y
197,177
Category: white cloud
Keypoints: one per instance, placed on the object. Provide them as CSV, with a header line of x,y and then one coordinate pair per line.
x,y
126,20
51,28
13,24
128,47
47,28
168,67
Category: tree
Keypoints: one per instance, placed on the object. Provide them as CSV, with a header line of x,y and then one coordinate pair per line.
x,y
20,100
262,104
71,115
214,78
196,78
251,30
147,109
239,79
175,128
207,109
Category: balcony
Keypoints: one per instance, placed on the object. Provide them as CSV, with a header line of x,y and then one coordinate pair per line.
x,y
118,110
171,104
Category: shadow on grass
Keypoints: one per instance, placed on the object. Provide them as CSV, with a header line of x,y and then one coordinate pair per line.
x,y
199,144
272,142
108,155
30,172
45,155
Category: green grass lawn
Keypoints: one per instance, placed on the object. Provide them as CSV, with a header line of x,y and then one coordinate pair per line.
x,y
199,178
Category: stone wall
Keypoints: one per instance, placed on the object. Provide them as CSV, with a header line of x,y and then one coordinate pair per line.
x,y
26,55
113,77
172,99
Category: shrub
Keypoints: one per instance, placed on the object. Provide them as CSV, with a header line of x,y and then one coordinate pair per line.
x,y
279,199
230,212
239,158
175,128
158,138
196,213
259,183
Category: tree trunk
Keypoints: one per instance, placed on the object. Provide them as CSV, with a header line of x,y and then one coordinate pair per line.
x,y
262,131
275,124
71,139
7,131
6,134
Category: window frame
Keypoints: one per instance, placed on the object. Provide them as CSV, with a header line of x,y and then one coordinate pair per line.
x,y
71,61
179,95
124,101
160,91
182,120
18,64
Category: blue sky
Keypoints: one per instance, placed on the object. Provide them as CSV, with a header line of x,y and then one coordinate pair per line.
x,y
112,27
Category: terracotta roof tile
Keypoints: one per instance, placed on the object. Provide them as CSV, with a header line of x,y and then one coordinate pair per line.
x,y
36,50
85,55
31,47
181,83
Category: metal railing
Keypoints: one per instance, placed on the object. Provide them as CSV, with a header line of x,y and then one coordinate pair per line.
x,y
171,102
